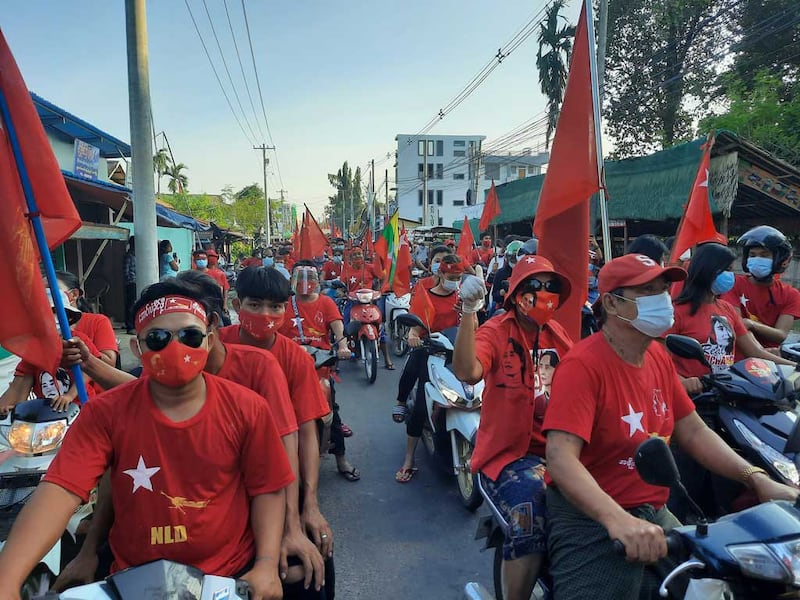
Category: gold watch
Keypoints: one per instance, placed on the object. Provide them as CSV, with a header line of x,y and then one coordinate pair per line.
x,y
748,472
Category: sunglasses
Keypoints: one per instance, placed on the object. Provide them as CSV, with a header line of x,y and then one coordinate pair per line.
x,y
157,339
534,285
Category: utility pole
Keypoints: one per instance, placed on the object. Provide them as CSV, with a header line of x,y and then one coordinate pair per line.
x,y
387,196
372,198
425,183
144,205
352,212
477,172
284,220
602,37
267,216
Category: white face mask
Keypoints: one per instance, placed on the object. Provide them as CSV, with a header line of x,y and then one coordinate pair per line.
x,y
655,314
450,286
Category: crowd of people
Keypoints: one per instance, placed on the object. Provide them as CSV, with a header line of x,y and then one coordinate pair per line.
x,y
214,443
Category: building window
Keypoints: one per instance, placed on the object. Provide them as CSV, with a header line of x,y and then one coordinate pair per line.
x,y
430,147
419,197
460,143
492,171
458,153
521,171
458,176
420,170
439,171
439,147
441,221
430,196
535,170
430,170
458,203
439,198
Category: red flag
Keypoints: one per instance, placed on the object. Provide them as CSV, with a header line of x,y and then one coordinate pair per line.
x,y
402,273
422,306
491,208
562,217
317,238
466,243
27,326
696,225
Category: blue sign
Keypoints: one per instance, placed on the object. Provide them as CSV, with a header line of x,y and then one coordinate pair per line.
x,y
87,160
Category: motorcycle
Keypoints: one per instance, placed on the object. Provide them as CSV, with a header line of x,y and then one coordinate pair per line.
x,y
396,306
32,434
158,579
453,410
752,407
324,362
364,329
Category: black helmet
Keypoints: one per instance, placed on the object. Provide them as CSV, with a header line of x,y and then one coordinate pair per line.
x,y
528,247
770,238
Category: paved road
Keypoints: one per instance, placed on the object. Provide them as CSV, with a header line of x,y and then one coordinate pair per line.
x,y
395,541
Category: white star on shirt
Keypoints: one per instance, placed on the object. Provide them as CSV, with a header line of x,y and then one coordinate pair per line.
x,y
352,280
187,359
634,420
141,475
297,321
550,304
704,183
743,300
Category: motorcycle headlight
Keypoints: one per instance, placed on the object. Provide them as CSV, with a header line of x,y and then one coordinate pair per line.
x,y
453,397
778,461
773,562
35,438
364,297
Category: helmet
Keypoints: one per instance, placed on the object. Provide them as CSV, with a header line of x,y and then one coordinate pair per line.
x,y
529,247
513,248
770,238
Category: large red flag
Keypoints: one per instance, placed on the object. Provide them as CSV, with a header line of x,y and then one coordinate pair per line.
x,y
466,243
316,235
562,217
402,274
26,328
491,209
422,306
696,225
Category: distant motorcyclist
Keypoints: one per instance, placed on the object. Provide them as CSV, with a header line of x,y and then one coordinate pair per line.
x,y
498,292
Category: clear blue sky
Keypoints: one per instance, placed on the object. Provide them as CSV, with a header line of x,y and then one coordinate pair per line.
x,y
340,79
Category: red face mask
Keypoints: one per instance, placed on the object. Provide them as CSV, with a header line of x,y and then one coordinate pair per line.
x,y
539,307
212,261
358,262
487,243
175,365
260,326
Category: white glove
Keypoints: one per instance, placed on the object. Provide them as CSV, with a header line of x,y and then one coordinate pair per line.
x,y
472,293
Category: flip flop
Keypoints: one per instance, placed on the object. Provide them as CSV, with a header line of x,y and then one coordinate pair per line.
x,y
399,413
405,475
352,475
389,367
346,431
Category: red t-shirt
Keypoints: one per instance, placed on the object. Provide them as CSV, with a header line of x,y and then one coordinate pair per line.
x,y
613,407
304,390
181,491
360,278
258,370
331,270
314,318
715,326
517,390
252,261
219,276
483,255
764,303
446,314
98,328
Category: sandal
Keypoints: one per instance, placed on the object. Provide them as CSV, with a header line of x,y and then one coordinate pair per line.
x,y
346,431
405,475
389,366
399,413
352,475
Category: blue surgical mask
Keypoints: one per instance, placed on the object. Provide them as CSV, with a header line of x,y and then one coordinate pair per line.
x,y
759,266
337,259
450,286
267,262
655,314
723,283
435,267
202,263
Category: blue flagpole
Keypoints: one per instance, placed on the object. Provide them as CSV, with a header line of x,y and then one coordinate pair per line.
x,y
41,241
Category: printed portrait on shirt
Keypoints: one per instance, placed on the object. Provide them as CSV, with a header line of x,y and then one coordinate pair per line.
x,y
512,365
719,347
543,380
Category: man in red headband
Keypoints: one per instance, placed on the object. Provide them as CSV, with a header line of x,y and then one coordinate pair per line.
x,y
442,299
220,511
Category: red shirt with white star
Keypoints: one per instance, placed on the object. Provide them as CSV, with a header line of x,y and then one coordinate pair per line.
x,y
357,278
304,390
331,270
182,490
613,407
314,318
764,303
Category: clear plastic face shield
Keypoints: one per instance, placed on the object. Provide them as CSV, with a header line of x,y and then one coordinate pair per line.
x,y
305,281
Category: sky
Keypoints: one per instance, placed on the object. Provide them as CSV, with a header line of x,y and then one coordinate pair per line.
x,y
339,79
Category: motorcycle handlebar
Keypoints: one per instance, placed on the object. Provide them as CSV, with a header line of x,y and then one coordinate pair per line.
x,y
674,545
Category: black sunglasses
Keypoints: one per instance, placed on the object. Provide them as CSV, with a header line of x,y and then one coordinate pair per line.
x,y
157,339
534,285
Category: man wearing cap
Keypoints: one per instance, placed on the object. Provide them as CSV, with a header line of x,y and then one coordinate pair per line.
x,y
208,262
505,352
613,391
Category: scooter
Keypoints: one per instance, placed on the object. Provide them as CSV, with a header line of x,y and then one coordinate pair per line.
x,y
396,306
158,579
364,329
324,362
31,435
453,409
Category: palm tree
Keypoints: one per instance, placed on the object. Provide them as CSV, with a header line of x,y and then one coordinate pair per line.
x,y
161,164
555,48
177,180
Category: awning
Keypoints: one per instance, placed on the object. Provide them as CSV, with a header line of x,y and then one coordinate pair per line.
x,y
177,219
96,231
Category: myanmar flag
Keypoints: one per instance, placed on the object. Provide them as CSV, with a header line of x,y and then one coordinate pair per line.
x,y
388,245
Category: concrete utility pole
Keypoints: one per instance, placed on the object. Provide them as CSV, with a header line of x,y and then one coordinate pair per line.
x,y
144,200
387,196
372,225
477,174
425,183
267,216
284,220
602,38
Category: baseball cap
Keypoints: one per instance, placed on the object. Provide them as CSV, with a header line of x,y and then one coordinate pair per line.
x,y
73,314
212,253
632,270
528,266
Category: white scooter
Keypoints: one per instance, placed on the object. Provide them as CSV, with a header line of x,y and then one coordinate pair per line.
x,y
30,436
396,306
453,409
158,579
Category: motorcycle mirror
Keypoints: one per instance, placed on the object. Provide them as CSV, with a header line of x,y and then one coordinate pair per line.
x,y
655,464
686,347
409,320
352,328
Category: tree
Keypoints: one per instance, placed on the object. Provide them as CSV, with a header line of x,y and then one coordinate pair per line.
x,y
248,209
349,192
178,182
555,48
161,164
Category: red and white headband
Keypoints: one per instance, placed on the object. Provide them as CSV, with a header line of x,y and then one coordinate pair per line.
x,y
168,305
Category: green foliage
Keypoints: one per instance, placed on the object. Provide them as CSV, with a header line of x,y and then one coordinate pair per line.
x,y
248,209
178,181
349,192
555,47
240,250
204,207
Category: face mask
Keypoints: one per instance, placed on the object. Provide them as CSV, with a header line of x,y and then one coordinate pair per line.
x,y
337,260
655,314
435,267
487,243
538,308
260,326
267,262
450,286
175,365
358,262
201,264
340,248
723,283
213,262
759,267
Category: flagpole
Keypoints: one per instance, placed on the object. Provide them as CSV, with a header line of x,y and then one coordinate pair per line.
x,y
41,240
606,231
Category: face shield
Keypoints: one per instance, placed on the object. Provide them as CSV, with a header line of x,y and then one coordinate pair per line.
x,y
305,281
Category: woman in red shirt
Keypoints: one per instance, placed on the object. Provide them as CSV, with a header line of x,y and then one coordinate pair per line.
x,y
443,297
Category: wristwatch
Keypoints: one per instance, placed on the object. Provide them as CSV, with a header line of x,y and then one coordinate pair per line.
x,y
748,472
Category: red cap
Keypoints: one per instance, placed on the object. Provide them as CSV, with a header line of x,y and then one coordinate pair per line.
x,y
212,252
530,265
632,270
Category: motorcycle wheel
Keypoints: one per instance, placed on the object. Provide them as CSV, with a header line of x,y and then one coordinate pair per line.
x,y
37,583
539,592
399,345
370,357
467,481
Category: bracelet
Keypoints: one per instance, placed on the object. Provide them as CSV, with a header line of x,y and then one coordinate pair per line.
x,y
258,558
748,472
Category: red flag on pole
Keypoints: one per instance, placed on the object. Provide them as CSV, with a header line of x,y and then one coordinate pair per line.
x,y
316,236
696,225
402,274
491,209
422,306
466,243
562,217
26,328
